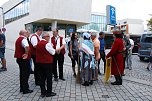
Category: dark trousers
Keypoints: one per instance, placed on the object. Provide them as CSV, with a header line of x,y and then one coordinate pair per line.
x,y
36,71
46,75
24,73
102,56
74,60
58,58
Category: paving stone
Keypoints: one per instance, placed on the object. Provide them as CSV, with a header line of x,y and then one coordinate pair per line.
x,y
70,91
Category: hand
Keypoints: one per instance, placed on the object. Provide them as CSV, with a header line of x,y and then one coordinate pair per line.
x,y
57,51
72,57
124,49
24,56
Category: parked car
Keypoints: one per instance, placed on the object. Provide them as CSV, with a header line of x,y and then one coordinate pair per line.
x,y
144,47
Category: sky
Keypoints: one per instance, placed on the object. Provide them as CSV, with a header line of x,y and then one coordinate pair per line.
x,y
133,9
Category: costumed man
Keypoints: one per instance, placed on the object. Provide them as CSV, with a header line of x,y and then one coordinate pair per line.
x,y
22,53
58,44
117,66
44,60
34,39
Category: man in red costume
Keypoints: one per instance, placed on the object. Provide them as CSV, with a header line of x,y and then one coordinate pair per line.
x,y
117,66
59,45
22,53
34,39
44,60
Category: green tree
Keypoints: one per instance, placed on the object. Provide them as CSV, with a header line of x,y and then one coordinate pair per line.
x,y
150,24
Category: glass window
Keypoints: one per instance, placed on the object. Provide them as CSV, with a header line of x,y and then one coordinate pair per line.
x,y
17,11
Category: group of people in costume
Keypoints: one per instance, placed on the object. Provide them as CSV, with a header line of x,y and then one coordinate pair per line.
x,y
90,50
46,52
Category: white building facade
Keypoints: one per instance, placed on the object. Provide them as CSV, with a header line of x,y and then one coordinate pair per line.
x,y
66,15
135,26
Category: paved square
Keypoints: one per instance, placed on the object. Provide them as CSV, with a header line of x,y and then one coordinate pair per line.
x,y
137,85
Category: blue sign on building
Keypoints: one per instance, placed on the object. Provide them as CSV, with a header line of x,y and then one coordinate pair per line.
x,y
111,15
71,30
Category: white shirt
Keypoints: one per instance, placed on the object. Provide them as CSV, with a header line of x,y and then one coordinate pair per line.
x,y
49,48
24,42
34,40
132,43
58,42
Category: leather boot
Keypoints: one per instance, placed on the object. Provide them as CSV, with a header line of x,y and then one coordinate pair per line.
x,y
118,80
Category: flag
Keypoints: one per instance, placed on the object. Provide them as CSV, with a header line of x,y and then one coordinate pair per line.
x,y
108,70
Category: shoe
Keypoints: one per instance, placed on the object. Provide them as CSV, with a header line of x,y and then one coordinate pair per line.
x,y
28,91
50,94
62,79
126,67
148,69
74,74
123,74
4,69
42,95
116,83
91,82
31,72
55,79
21,90
99,73
130,68
37,84
85,83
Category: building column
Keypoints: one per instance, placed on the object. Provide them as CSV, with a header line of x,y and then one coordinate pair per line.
x,y
54,24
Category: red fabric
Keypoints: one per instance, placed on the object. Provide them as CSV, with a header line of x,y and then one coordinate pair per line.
x,y
19,50
117,47
42,55
54,44
62,50
33,50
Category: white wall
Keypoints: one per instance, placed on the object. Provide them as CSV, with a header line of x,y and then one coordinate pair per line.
x,y
136,28
76,11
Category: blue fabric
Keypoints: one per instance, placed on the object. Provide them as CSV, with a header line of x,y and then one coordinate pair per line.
x,y
102,44
88,60
89,43
2,37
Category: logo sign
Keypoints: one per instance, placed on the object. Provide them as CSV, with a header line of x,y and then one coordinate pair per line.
x,y
111,15
71,30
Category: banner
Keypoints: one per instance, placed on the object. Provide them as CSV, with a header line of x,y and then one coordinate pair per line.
x,y
108,70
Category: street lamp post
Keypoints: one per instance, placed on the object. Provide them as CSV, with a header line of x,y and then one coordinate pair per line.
x,y
3,15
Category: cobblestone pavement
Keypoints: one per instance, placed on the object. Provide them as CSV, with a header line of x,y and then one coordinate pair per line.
x,y
137,89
